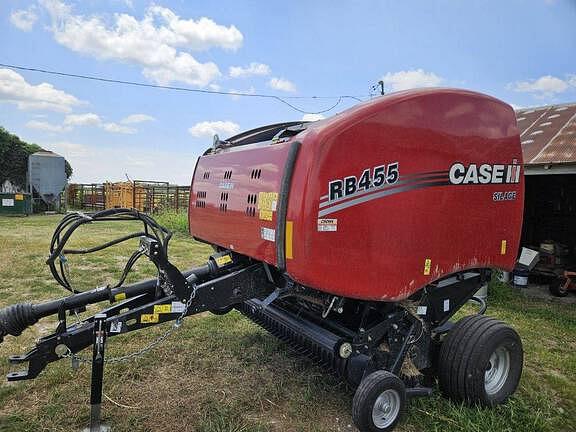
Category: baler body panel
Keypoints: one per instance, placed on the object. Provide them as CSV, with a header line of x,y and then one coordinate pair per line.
x,y
384,198
225,194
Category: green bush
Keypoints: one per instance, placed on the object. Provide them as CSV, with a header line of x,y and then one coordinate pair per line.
x,y
176,221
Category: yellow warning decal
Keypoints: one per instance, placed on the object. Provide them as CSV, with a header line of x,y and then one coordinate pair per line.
x,y
149,318
163,308
427,266
266,215
267,203
289,236
120,297
19,197
503,248
223,260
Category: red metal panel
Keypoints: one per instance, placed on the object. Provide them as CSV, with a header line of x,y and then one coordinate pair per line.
x,y
233,221
382,246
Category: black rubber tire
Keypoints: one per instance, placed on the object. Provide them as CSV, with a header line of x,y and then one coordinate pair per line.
x,y
366,394
556,287
464,360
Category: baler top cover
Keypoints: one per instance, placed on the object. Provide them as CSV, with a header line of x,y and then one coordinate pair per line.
x,y
373,203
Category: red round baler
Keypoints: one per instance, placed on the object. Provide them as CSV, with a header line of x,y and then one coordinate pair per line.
x,y
402,203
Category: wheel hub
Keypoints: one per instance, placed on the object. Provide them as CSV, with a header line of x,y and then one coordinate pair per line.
x,y
497,370
386,408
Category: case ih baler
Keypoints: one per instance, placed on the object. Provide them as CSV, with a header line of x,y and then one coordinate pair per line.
x,y
354,238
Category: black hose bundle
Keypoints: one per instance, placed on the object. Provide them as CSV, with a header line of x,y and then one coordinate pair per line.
x,y
57,260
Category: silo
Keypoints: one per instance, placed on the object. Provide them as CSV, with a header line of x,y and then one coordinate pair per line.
x,y
47,176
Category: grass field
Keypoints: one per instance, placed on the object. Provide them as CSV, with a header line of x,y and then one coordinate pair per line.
x,y
225,374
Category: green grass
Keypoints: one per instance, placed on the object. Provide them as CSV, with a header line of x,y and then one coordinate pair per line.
x,y
225,374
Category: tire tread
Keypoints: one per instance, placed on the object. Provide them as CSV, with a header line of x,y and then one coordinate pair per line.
x,y
463,353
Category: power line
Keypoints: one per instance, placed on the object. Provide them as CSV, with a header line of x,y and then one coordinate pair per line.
x,y
191,90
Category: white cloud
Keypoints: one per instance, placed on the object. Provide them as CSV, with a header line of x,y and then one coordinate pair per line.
x,y
87,119
137,118
98,163
253,69
24,19
404,80
46,126
15,89
211,128
545,86
312,117
282,84
152,43
116,128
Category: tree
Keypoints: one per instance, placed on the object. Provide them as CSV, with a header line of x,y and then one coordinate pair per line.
x,y
14,159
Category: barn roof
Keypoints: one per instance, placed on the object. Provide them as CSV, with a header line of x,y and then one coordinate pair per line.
x,y
548,134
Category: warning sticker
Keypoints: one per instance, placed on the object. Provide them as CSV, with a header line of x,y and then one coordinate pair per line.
x,y
120,297
266,215
327,224
268,234
267,202
19,197
163,308
223,260
7,202
116,327
178,307
427,266
503,248
149,318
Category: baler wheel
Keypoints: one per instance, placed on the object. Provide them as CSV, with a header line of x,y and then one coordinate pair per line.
x,y
379,402
480,361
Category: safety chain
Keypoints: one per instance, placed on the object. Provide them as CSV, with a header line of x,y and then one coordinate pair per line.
x,y
177,324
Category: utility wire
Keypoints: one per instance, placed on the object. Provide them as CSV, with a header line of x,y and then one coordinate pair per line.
x,y
191,90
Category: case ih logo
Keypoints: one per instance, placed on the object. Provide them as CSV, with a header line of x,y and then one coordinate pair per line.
x,y
460,174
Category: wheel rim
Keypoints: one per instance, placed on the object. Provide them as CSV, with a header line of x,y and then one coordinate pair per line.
x,y
497,370
386,408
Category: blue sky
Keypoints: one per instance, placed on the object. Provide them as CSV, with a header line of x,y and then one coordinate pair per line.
x,y
523,52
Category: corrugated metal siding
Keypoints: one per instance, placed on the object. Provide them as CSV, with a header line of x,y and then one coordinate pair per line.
x,y
548,134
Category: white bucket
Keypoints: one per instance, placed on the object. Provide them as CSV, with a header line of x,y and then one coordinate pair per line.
x,y
504,276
